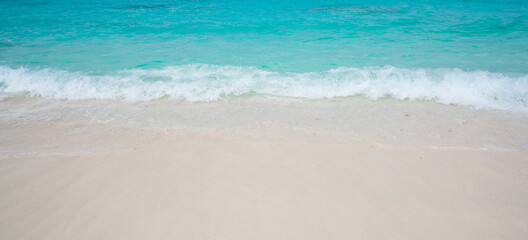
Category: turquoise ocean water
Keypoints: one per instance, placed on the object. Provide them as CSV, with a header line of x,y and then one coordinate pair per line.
x,y
467,52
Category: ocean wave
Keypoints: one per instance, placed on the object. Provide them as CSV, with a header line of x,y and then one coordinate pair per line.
x,y
202,82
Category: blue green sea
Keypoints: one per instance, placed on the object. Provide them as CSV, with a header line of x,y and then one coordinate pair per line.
x,y
464,52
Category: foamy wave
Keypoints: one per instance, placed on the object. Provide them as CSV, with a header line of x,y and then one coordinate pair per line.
x,y
200,82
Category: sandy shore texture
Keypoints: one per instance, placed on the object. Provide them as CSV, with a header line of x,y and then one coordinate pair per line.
x,y
254,170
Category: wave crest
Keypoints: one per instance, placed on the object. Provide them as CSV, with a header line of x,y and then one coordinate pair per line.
x,y
202,82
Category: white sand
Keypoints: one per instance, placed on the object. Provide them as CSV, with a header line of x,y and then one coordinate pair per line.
x,y
70,178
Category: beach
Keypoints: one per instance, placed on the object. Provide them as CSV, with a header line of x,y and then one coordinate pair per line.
x,y
235,119
239,170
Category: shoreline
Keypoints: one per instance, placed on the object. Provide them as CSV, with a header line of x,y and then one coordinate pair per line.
x,y
386,122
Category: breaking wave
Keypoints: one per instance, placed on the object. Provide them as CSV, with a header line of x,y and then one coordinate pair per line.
x,y
202,82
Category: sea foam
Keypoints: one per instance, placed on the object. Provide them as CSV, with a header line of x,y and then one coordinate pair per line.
x,y
202,82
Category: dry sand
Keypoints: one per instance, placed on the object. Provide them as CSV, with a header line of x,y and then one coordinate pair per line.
x,y
69,178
